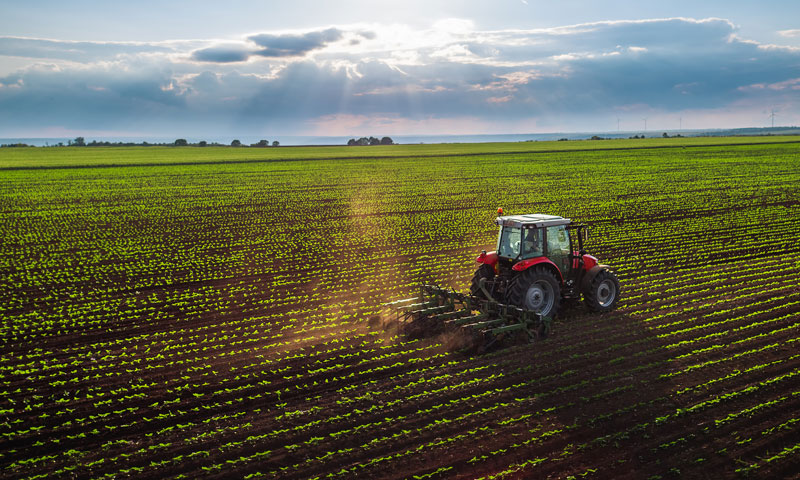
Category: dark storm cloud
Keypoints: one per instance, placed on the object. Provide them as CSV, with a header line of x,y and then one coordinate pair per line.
x,y
278,46
294,45
221,54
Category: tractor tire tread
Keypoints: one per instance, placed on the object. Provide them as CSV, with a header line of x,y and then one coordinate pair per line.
x,y
518,287
484,271
590,295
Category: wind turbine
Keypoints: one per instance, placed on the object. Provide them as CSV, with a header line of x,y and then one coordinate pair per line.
x,y
772,117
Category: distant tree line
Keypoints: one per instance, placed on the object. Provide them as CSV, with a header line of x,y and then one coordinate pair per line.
x,y
259,144
180,142
369,141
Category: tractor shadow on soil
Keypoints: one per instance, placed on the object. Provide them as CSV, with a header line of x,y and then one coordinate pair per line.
x,y
593,375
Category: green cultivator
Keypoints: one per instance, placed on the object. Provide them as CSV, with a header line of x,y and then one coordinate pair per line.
x,y
479,322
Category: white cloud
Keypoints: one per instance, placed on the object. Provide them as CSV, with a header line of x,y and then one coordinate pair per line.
x,y
454,53
786,85
503,99
396,77
790,33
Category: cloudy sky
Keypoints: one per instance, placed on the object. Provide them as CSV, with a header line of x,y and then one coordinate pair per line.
x,y
352,67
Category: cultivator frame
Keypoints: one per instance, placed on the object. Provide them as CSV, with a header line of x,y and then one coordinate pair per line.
x,y
484,320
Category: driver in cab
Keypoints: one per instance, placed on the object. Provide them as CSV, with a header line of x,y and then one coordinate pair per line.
x,y
533,243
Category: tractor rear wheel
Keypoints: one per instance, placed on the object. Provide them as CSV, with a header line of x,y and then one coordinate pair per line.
x,y
484,271
536,289
603,293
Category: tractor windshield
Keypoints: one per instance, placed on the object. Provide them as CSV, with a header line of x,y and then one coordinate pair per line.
x,y
511,239
508,243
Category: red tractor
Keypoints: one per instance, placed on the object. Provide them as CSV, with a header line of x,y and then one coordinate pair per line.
x,y
540,260
518,288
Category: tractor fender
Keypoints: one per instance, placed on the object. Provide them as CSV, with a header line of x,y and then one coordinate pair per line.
x,y
526,264
588,277
589,262
487,258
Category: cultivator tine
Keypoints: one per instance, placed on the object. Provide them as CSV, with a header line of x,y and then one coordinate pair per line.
x,y
469,319
416,306
400,305
484,324
448,316
481,319
511,328
431,310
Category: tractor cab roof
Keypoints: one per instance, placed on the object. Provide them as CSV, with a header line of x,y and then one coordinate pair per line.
x,y
532,220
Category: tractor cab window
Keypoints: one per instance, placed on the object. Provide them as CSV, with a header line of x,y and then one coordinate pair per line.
x,y
558,247
508,243
532,243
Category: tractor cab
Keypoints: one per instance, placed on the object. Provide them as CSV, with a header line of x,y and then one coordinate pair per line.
x,y
537,236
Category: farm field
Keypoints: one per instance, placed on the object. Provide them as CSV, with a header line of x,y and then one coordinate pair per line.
x,y
216,313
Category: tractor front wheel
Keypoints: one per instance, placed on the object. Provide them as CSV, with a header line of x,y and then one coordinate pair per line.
x,y
603,293
536,289
484,271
